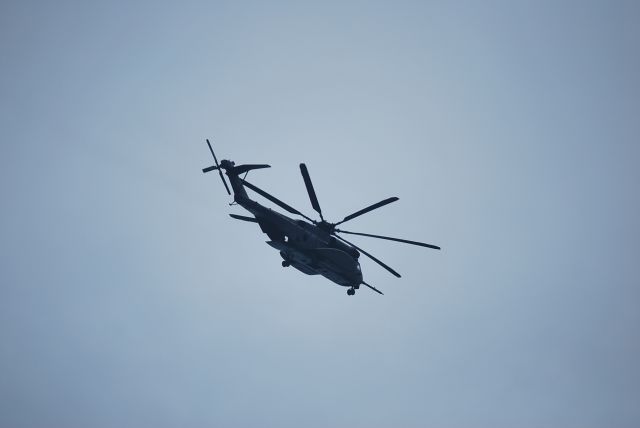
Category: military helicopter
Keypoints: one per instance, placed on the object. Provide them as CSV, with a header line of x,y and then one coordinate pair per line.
x,y
312,247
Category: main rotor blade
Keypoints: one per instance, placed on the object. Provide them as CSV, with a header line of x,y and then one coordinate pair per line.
x,y
310,190
370,256
369,208
421,244
274,200
218,167
244,218
373,288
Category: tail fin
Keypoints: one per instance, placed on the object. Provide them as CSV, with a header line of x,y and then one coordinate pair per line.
x,y
240,169
233,172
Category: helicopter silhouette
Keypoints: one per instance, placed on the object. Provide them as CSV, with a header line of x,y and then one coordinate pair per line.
x,y
312,247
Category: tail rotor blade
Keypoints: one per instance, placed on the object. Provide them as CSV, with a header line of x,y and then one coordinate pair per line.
x,y
393,272
215,159
209,168
312,193
367,209
224,181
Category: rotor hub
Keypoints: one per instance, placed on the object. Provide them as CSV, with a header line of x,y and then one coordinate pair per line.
x,y
326,226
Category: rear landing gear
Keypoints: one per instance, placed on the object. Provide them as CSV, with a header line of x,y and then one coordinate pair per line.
x,y
351,291
286,263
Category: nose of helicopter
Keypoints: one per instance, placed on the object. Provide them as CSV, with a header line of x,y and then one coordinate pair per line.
x,y
358,273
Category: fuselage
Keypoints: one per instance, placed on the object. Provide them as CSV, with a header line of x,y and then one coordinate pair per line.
x,y
305,246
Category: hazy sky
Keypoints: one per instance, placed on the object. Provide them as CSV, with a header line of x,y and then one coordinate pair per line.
x,y
508,129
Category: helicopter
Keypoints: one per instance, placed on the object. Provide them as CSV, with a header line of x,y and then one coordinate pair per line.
x,y
312,247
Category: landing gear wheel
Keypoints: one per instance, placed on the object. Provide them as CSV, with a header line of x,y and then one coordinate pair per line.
x,y
286,263
351,292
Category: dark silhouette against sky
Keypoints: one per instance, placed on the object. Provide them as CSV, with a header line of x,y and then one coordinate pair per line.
x,y
509,131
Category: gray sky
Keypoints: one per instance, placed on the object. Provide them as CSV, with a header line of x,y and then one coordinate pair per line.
x,y
508,129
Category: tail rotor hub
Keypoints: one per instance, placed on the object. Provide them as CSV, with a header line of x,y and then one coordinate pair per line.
x,y
227,164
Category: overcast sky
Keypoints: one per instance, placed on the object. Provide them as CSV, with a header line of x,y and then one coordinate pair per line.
x,y
508,129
